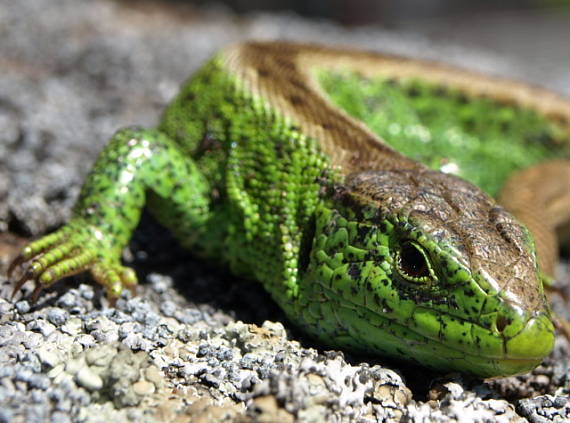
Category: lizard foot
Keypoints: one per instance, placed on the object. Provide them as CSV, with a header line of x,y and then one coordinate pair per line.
x,y
71,250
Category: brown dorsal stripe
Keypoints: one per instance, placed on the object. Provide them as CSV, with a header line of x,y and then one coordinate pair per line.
x,y
277,73
282,74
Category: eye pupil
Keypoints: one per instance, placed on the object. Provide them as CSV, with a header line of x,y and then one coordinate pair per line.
x,y
412,262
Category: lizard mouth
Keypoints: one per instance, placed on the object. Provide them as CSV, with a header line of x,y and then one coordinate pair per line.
x,y
535,340
521,352
375,332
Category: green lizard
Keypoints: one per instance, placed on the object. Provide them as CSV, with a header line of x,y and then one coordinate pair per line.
x,y
327,175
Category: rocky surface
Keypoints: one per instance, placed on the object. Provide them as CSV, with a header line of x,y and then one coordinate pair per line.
x,y
71,73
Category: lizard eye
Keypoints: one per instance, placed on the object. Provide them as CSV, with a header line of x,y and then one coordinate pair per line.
x,y
413,264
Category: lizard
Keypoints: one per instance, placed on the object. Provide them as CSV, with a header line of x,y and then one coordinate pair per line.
x,y
359,188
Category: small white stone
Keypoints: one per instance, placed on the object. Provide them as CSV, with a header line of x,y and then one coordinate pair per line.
x,y
153,375
56,371
87,341
88,379
48,356
72,327
75,365
143,387
100,356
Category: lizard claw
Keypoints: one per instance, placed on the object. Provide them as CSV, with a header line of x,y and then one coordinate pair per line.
x,y
17,262
36,293
69,251
25,277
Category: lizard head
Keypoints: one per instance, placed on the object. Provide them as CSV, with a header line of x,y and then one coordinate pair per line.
x,y
426,267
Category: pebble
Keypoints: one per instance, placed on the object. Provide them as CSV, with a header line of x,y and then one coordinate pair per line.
x,y
168,308
100,356
32,340
137,341
74,365
152,374
60,417
42,326
103,330
547,408
67,300
86,341
188,316
58,316
86,292
40,381
23,306
159,283
210,380
5,307
72,326
49,355
88,379
143,387
56,371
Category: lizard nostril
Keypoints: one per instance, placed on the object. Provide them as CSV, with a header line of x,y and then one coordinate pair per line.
x,y
502,322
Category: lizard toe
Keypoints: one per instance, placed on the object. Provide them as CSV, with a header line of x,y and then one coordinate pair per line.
x,y
115,278
53,266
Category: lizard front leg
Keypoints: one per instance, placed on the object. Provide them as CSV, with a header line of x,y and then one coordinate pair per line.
x,y
136,162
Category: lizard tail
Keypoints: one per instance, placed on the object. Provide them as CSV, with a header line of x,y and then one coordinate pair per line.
x,y
540,197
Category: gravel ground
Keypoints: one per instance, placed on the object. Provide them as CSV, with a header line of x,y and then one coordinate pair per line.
x,y
196,344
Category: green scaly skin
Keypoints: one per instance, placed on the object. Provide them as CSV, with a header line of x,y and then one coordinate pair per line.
x,y
236,180
441,128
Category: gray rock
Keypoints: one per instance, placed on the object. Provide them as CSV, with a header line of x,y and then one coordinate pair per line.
x,y
23,306
546,409
42,326
57,316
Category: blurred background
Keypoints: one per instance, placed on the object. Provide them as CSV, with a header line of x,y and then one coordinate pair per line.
x,y
391,12
535,31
